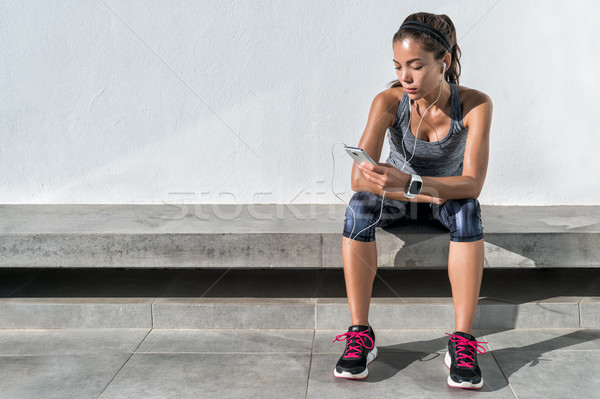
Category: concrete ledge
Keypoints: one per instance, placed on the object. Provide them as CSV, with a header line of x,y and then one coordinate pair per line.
x,y
277,236
286,313
234,312
589,308
75,313
288,298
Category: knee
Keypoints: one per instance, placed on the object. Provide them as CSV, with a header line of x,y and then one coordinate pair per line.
x,y
467,224
360,216
362,205
465,209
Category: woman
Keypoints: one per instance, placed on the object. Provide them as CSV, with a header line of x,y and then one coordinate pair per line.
x,y
449,152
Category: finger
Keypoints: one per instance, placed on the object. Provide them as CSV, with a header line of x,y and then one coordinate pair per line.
x,y
371,176
365,166
375,168
385,164
374,177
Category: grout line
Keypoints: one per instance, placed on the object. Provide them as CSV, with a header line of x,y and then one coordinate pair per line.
x,y
312,351
499,368
579,310
152,313
124,364
315,312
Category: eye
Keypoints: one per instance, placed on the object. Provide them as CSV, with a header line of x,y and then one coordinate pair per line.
x,y
419,68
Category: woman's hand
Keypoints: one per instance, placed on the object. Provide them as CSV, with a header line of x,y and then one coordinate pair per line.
x,y
385,176
438,201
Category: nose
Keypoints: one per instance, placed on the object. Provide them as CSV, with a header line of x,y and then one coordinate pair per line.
x,y
405,76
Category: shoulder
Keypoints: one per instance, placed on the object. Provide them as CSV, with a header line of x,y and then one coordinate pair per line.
x,y
475,103
387,102
392,95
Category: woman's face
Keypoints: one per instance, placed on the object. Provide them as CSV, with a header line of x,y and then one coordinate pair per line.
x,y
416,69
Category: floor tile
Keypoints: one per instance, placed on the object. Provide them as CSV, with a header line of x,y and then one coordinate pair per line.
x,y
543,340
557,312
228,340
207,375
67,341
557,374
58,376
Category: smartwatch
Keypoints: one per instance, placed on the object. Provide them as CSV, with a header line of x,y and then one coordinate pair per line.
x,y
414,186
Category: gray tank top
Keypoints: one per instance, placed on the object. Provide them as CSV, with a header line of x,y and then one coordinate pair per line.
x,y
431,158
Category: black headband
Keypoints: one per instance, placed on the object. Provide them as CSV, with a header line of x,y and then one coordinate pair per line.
x,y
430,30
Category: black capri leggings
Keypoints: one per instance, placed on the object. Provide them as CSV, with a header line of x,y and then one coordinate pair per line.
x,y
461,216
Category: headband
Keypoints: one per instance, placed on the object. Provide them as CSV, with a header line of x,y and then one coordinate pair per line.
x,y
430,30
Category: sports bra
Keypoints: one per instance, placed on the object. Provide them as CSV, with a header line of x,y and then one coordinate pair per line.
x,y
431,158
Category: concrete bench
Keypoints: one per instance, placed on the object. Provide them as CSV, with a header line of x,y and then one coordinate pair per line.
x,y
278,236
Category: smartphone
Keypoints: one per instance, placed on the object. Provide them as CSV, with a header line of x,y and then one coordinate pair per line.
x,y
359,155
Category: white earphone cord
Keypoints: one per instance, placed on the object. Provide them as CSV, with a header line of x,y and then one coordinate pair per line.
x,y
410,118
350,239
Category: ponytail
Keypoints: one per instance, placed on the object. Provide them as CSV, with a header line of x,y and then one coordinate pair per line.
x,y
444,24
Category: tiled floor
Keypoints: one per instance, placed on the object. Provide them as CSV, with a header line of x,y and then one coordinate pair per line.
x,y
243,363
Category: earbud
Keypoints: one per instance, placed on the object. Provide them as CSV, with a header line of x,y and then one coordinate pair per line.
x,y
444,67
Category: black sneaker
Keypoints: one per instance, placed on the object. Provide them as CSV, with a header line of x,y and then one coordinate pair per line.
x,y
360,351
461,359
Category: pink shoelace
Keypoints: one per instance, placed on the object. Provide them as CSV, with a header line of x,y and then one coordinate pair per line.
x,y
354,350
463,344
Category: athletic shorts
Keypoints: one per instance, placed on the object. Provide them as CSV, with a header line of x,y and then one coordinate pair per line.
x,y
462,217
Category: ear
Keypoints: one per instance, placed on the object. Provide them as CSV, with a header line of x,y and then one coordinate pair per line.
x,y
447,59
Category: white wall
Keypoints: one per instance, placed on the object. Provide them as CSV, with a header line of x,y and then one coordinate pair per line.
x,y
209,101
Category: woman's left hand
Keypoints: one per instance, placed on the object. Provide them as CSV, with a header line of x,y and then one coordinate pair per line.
x,y
386,176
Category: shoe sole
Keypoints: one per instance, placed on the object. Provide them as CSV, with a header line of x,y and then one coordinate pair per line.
x,y
346,374
464,384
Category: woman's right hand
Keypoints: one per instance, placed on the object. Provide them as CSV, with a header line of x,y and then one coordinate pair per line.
x,y
438,201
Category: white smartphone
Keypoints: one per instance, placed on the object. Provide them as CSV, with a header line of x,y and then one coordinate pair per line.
x,y
359,155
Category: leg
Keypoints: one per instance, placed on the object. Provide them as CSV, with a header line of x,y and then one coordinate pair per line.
x,y
360,266
359,251
465,258
465,269
359,254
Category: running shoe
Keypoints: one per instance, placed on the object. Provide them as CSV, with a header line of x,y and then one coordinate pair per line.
x,y
461,359
360,351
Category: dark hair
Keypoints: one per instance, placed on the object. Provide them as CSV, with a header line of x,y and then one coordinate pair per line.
x,y
444,24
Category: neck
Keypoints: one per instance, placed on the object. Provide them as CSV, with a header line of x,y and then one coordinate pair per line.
x,y
430,98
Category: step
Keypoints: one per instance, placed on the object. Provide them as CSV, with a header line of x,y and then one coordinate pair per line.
x,y
273,299
286,313
278,236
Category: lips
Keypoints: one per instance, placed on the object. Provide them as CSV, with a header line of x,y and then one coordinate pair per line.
x,y
410,89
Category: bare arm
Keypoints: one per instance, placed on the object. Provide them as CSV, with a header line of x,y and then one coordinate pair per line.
x,y
381,116
391,179
475,162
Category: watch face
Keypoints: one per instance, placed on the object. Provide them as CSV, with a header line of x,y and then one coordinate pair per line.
x,y
415,187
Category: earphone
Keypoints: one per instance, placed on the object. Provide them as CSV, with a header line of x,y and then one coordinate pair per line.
x,y
350,239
